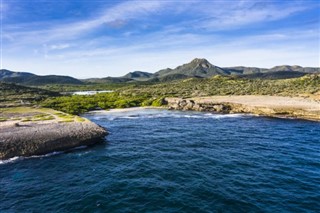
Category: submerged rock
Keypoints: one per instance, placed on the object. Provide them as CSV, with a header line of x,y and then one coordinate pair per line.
x,y
27,139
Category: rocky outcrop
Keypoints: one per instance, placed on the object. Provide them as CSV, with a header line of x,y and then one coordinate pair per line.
x,y
189,104
260,105
37,139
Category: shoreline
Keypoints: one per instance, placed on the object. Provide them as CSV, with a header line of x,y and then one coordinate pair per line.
x,y
272,106
37,131
130,109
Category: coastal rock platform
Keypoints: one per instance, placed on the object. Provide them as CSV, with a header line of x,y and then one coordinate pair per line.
x,y
37,137
274,106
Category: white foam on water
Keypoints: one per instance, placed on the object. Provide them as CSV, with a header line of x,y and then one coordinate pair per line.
x,y
141,113
18,158
14,159
129,117
10,160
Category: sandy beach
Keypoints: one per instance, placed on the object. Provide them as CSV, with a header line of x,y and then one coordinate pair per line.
x,y
268,101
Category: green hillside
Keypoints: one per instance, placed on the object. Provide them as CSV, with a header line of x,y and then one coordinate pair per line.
x,y
228,85
25,78
12,94
139,75
144,95
197,67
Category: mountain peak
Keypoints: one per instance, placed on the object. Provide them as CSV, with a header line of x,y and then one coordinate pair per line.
x,y
138,75
199,60
198,67
287,68
201,63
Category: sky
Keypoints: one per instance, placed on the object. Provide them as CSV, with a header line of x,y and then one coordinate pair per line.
x,y
100,38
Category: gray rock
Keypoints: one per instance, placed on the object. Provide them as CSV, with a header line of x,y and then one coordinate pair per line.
x,y
38,139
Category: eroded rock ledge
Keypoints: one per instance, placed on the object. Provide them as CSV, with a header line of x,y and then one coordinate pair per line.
x,y
274,106
36,131
38,139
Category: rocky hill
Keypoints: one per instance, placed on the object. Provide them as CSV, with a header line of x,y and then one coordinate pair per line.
x,y
202,68
26,78
198,67
9,74
108,80
241,70
138,75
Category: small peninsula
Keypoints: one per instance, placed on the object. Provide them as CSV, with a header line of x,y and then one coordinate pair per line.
x,y
26,131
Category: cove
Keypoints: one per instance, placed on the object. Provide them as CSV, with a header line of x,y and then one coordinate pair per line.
x,y
174,161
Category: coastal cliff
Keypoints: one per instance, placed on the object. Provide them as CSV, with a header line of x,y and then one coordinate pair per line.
x,y
34,136
273,106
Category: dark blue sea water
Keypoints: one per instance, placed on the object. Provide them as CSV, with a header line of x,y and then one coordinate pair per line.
x,y
170,161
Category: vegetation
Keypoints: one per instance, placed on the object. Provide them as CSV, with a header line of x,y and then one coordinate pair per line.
x,y
31,114
152,94
228,85
32,79
135,95
12,94
85,87
79,104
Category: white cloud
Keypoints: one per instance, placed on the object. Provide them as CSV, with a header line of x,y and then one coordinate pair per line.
x,y
59,46
124,11
64,48
224,15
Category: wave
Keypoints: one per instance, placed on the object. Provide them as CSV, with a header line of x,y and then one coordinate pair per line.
x,y
18,158
10,160
153,114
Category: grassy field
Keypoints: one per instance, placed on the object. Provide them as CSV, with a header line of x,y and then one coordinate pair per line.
x,y
30,114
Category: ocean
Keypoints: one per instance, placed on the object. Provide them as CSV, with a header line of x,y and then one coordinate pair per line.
x,y
157,160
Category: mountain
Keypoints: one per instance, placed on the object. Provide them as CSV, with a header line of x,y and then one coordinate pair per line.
x,y
139,75
198,67
202,68
108,80
295,68
26,78
241,70
9,74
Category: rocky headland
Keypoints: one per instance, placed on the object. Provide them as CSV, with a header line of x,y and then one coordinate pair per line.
x,y
27,132
274,106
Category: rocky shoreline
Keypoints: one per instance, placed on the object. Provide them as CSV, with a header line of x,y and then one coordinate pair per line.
x,y
43,137
273,106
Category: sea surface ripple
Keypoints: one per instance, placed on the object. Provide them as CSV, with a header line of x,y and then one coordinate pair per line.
x,y
171,161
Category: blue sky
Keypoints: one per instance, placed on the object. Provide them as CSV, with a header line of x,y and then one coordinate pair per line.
x,y
99,38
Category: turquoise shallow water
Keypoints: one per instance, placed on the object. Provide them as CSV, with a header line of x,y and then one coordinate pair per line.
x,y
170,161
